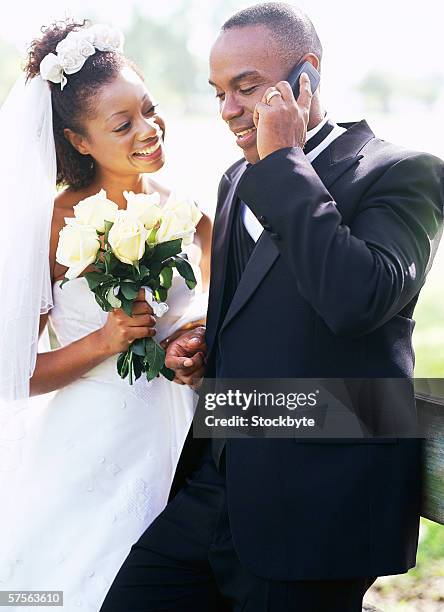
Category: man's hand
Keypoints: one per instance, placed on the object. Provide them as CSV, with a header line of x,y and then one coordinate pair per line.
x,y
186,356
283,121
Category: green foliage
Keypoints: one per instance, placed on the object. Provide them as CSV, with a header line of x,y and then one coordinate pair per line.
x,y
380,88
432,544
161,51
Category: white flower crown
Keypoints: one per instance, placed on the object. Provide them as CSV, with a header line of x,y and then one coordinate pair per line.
x,y
74,50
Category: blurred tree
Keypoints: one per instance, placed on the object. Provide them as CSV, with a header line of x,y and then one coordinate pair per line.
x,y
425,90
378,89
161,50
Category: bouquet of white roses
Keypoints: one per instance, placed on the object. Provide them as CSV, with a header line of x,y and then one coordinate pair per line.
x,y
130,249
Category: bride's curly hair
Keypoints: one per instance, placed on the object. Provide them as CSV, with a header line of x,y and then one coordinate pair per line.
x,y
76,102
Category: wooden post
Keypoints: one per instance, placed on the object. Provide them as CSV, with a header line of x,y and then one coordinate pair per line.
x,y
431,417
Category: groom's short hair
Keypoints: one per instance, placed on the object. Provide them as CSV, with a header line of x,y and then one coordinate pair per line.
x,y
290,26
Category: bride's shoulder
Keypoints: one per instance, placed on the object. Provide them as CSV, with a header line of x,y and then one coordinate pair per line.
x,y
64,204
67,199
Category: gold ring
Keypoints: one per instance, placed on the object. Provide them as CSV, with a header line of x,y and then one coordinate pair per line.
x,y
270,94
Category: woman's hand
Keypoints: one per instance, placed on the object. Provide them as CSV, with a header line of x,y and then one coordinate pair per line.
x,y
120,330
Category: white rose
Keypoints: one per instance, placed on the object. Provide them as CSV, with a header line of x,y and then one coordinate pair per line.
x,y
73,51
144,207
95,210
50,68
107,38
127,237
172,227
77,248
184,208
84,46
71,61
84,33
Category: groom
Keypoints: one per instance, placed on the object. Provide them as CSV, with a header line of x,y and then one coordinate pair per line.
x,y
323,236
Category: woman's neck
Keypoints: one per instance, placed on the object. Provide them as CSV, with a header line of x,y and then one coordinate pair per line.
x,y
116,185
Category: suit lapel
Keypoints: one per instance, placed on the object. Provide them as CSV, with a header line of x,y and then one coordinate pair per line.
x,y
219,258
341,155
262,258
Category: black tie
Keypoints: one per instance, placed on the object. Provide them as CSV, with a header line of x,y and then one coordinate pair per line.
x,y
316,140
243,244
241,248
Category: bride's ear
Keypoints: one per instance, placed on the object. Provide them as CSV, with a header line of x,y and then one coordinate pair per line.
x,y
77,141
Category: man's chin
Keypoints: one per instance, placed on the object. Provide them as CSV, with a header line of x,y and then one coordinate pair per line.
x,y
251,155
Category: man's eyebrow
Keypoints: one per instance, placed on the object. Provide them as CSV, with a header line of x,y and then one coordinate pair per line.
x,y
240,77
122,112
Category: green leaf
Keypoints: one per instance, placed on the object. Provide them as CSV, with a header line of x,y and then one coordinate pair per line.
x,y
95,279
127,306
130,367
154,356
155,269
165,250
122,364
100,266
107,258
102,303
169,374
138,347
166,277
151,375
112,299
137,366
186,271
108,226
64,281
161,294
120,361
129,290
112,264
142,274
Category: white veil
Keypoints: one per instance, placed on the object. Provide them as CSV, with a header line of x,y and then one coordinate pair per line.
x,y
27,189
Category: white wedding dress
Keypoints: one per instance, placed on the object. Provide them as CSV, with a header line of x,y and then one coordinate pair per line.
x,y
84,473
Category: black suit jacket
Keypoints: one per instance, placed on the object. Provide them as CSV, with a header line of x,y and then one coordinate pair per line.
x,y
329,291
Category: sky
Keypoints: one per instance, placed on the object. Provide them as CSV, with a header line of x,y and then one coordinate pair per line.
x,y
400,34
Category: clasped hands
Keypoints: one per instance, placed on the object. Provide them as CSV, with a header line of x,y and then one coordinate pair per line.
x,y
185,354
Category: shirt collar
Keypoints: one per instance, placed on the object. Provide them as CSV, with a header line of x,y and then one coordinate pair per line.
x,y
315,130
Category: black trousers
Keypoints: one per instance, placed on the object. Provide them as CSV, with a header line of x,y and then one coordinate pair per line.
x,y
186,562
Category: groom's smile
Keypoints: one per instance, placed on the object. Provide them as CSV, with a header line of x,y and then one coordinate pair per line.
x,y
245,137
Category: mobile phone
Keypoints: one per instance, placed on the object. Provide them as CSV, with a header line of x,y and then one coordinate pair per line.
x,y
295,75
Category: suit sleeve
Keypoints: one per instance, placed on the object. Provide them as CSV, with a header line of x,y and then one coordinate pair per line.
x,y
356,277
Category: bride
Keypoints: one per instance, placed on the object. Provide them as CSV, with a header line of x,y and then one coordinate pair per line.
x,y
84,472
